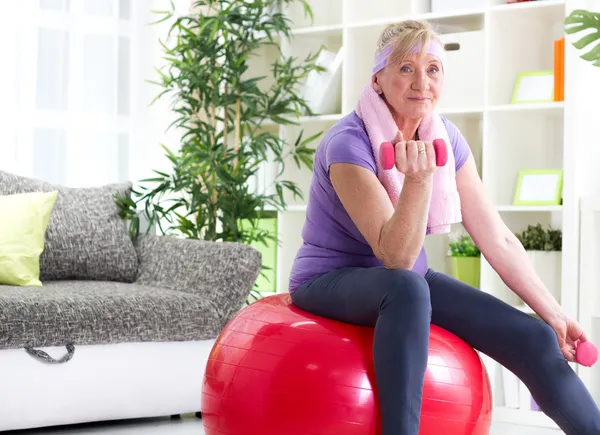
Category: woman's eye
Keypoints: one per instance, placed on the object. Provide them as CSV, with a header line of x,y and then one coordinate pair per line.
x,y
434,69
405,69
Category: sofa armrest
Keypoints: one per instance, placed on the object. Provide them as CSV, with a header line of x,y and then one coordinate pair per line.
x,y
222,272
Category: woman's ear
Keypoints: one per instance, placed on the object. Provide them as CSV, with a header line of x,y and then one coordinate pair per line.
x,y
375,84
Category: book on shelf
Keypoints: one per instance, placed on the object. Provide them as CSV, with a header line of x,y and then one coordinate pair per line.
x,y
559,69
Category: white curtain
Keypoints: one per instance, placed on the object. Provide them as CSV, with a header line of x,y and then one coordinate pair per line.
x,y
74,97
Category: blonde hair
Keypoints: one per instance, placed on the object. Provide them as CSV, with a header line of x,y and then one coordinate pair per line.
x,y
405,35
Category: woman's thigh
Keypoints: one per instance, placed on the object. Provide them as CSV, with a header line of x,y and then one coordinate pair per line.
x,y
358,295
486,323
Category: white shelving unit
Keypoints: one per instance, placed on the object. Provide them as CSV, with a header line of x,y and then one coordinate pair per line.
x,y
497,42
590,277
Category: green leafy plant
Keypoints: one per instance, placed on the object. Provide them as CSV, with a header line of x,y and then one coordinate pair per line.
x,y
463,246
228,119
536,238
580,20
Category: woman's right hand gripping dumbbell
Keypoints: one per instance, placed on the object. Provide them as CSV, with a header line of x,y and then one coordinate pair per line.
x,y
415,159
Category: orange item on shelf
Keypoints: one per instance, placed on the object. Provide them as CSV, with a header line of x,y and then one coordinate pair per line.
x,y
559,69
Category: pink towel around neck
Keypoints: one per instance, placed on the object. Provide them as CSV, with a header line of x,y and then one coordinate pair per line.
x,y
444,208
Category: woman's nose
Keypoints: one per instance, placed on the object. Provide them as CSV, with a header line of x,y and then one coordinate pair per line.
x,y
421,81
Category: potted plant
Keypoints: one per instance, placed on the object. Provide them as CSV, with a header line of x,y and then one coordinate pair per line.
x,y
544,248
466,259
228,116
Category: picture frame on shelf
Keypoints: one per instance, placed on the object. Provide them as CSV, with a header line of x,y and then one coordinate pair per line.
x,y
534,87
539,187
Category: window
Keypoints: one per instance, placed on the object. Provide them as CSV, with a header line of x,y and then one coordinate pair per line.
x,y
75,107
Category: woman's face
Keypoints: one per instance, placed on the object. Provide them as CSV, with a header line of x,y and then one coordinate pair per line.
x,y
411,88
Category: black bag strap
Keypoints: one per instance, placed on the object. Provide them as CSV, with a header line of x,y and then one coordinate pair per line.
x,y
43,356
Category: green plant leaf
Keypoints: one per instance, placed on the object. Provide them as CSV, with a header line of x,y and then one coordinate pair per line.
x,y
464,247
580,20
536,238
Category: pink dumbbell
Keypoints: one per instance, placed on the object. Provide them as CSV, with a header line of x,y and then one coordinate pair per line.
x,y
388,156
586,353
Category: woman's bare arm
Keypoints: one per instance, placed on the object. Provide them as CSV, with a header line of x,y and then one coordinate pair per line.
x,y
500,246
396,236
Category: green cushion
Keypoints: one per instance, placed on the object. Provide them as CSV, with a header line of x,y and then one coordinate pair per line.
x,y
23,221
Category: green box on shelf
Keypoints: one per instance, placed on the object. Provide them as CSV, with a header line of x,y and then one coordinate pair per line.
x,y
467,270
267,279
465,257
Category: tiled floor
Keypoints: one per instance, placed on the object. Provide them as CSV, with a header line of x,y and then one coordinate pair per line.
x,y
192,426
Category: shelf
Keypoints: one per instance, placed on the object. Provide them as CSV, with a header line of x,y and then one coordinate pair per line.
x,y
554,105
529,208
477,111
321,118
318,30
468,111
533,5
448,111
501,208
309,119
463,20
295,208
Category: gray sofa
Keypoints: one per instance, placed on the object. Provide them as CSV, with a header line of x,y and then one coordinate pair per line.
x,y
113,315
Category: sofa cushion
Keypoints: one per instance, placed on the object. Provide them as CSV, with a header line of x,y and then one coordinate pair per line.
x,y
23,221
96,312
86,238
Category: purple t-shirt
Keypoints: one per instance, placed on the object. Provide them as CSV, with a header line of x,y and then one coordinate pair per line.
x,y
331,240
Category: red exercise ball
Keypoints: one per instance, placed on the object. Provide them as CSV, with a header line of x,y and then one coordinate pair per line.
x,y
276,369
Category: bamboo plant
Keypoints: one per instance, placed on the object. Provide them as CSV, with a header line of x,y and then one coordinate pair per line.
x,y
222,111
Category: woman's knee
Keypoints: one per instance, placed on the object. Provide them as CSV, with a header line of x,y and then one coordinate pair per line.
x,y
539,339
404,288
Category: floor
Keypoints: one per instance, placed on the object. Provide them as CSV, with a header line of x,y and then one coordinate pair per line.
x,y
193,426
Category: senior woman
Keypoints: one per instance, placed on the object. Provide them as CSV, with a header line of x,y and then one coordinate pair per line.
x,y
362,259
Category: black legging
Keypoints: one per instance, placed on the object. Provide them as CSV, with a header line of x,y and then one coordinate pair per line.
x,y
401,304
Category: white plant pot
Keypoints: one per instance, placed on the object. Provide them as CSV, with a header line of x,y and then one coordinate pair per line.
x,y
548,266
